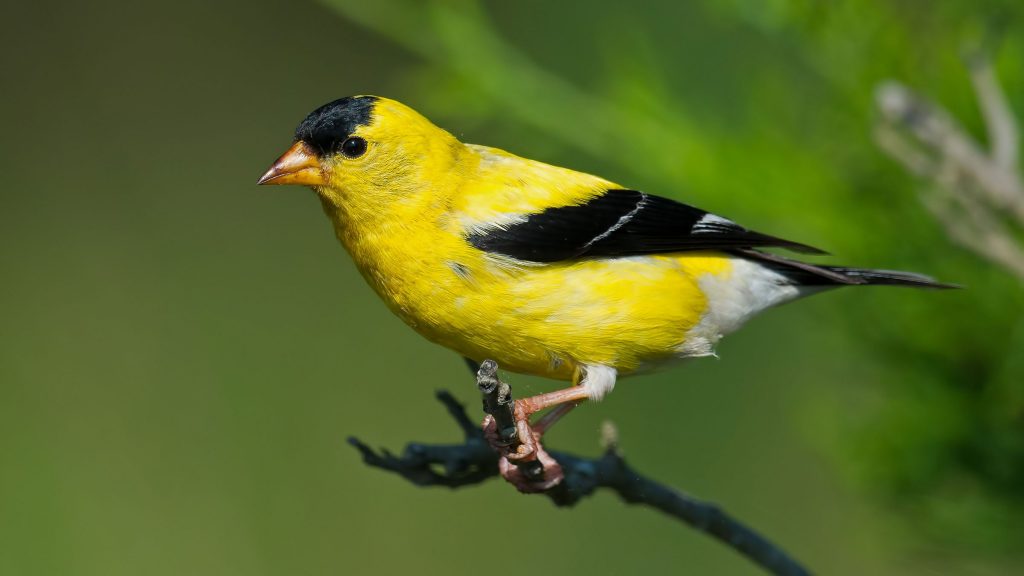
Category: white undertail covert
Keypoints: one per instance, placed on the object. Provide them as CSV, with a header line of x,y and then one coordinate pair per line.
x,y
733,298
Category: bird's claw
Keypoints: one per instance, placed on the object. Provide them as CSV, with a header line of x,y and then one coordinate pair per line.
x,y
527,483
524,463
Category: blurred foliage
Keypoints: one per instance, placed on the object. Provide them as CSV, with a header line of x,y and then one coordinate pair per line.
x,y
182,354
764,111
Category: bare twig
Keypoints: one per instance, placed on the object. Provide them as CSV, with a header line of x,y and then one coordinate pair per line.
x,y
976,194
473,462
1000,122
942,136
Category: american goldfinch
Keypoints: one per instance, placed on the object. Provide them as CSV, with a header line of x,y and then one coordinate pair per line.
x,y
546,270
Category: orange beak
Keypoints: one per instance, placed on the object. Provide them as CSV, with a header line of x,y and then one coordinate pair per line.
x,y
299,165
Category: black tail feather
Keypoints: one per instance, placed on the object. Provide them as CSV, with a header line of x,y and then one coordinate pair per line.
x,y
890,277
804,274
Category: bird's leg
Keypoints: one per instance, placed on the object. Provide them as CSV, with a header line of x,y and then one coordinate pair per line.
x,y
529,435
548,420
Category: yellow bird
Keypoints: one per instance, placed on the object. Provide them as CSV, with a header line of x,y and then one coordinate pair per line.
x,y
546,270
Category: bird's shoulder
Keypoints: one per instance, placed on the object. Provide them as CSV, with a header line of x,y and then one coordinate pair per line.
x,y
500,188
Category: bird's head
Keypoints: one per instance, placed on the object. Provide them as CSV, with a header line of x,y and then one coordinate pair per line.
x,y
365,148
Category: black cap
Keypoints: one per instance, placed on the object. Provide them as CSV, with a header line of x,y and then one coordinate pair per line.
x,y
329,125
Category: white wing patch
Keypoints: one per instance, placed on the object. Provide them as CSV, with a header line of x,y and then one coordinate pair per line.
x,y
492,220
711,223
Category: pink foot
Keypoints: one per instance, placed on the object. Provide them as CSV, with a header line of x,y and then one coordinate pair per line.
x,y
516,460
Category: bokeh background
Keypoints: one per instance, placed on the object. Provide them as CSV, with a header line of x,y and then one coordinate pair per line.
x,y
182,354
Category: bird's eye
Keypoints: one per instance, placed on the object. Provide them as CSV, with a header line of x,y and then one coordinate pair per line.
x,y
353,147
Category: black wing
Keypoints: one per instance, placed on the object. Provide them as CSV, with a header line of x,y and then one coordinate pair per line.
x,y
621,223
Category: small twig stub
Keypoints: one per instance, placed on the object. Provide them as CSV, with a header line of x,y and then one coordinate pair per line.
x,y
497,400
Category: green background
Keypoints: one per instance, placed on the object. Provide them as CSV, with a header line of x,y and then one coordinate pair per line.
x,y
182,354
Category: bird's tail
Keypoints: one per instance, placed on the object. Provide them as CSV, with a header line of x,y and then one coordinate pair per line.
x,y
804,274
885,277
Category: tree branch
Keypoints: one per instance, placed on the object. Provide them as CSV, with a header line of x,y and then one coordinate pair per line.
x,y
976,194
473,462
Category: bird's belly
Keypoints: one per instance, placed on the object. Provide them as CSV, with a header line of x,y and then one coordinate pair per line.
x,y
627,313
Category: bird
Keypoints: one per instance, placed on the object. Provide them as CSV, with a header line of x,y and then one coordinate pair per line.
x,y
546,270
